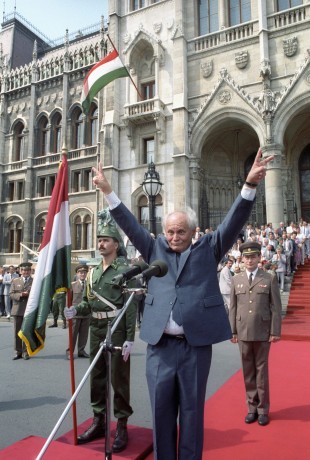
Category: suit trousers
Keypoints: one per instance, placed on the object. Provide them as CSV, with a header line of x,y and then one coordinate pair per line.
x,y
254,357
177,375
19,344
80,328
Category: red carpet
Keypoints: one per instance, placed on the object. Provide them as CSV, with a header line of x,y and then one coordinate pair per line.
x,y
227,437
139,446
287,435
296,325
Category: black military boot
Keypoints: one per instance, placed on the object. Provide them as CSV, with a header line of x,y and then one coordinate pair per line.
x,y
54,324
95,431
64,324
121,436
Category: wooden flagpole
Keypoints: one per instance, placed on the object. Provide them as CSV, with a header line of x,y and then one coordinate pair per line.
x,y
71,351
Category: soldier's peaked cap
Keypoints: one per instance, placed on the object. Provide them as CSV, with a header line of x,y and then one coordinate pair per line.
x,y
25,265
250,247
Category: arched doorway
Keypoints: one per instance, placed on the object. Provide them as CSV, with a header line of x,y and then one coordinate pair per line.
x,y
304,181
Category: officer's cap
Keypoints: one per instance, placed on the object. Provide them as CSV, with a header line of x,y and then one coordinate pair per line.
x,y
25,265
81,268
250,247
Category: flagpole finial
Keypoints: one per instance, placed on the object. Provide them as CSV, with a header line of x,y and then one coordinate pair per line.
x,y
64,151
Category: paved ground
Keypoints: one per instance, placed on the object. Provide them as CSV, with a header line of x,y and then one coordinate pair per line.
x,y
34,393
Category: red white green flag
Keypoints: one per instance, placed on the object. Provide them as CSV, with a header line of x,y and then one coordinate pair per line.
x,y
102,73
53,268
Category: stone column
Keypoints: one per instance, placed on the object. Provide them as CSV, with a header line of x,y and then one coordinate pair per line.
x,y
274,185
223,14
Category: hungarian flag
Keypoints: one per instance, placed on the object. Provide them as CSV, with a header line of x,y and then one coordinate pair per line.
x,y
102,73
53,268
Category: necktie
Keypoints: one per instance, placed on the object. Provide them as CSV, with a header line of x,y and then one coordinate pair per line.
x,y
250,278
176,314
83,285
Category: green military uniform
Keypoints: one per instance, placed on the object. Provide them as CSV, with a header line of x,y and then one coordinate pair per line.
x,y
100,314
100,281
58,306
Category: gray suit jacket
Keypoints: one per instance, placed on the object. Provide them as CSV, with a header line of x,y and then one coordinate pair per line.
x,y
194,285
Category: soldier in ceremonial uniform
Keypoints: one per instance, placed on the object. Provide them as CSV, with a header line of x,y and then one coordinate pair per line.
x,y
80,324
99,280
19,292
255,319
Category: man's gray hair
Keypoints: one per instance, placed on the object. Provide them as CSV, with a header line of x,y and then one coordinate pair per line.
x,y
188,212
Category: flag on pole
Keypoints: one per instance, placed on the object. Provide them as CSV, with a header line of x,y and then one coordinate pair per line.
x,y
102,73
53,267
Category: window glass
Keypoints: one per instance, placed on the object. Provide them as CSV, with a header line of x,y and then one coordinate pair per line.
x,y
208,16
286,4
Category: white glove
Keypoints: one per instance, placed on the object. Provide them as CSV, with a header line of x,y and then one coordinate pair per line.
x,y
127,346
69,312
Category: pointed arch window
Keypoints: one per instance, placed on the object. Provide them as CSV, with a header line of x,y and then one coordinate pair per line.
x,y
77,135
92,126
43,133
15,227
56,133
144,212
82,232
19,142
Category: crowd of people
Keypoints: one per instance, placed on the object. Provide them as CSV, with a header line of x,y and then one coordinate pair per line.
x,y
283,250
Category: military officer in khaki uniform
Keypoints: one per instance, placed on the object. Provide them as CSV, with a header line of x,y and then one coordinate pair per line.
x,y
99,280
80,324
19,293
255,319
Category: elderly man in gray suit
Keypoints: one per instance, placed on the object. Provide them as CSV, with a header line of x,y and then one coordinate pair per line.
x,y
255,318
184,313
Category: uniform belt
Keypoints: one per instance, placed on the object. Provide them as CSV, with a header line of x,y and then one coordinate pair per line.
x,y
175,337
104,314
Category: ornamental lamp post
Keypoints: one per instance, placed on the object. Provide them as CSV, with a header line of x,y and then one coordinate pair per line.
x,y
151,187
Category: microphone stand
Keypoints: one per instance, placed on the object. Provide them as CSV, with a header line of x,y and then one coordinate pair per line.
x,y
107,347
103,346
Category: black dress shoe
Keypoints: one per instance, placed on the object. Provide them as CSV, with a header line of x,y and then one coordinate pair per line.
x,y
95,431
17,356
251,417
263,419
83,354
53,325
25,356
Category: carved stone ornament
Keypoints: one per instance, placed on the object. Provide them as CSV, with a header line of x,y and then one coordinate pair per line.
x,y
265,69
126,38
206,68
308,78
157,27
39,101
224,97
290,46
241,59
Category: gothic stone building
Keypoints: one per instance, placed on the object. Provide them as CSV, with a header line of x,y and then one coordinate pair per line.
x,y
216,80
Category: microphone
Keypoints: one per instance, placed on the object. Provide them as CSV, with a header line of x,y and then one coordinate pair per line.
x,y
136,268
158,268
